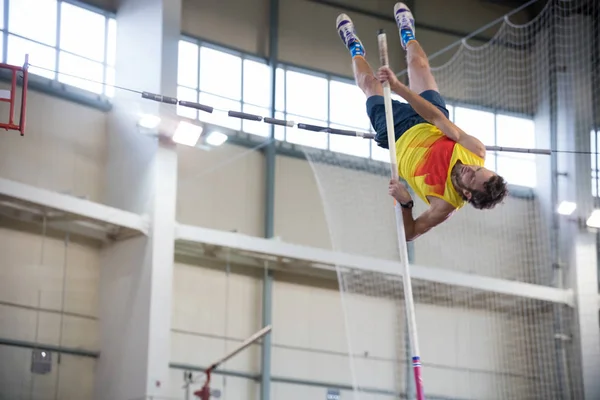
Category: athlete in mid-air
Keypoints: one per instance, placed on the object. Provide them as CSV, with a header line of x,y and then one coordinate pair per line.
x,y
441,163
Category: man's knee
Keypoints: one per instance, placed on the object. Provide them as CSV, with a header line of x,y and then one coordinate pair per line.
x,y
370,85
419,62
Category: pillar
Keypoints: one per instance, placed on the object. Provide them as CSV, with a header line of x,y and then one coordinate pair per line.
x,y
141,176
588,321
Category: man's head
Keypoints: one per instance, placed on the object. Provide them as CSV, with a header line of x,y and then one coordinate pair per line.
x,y
482,188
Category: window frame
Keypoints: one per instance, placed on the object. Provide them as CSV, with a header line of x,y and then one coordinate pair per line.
x,y
330,77
108,15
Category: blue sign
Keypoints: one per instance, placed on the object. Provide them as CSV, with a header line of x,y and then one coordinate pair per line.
x,y
333,394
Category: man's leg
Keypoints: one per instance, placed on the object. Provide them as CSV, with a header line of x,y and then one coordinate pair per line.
x,y
363,73
419,74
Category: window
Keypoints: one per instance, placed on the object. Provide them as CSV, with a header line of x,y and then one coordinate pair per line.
x,y
82,32
347,110
34,19
516,168
479,124
220,73
306,95
75,46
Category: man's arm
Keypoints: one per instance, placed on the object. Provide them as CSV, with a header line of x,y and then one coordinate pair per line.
x,y
438,212
432,114
424,222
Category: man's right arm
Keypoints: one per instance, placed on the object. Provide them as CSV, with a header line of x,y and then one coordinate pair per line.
x,y
429,219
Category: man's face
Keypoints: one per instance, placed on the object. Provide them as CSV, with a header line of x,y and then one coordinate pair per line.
x,y
472,177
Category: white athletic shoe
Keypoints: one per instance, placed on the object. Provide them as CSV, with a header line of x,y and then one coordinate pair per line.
x,y
405,22
347,32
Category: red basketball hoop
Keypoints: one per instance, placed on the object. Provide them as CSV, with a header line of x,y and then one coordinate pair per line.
x,y
11,96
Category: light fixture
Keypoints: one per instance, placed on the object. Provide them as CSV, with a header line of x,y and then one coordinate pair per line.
x,y
187,134
594,219
216,138
149,121
566,208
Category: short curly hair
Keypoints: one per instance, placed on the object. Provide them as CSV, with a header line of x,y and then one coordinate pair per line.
x,y
494,191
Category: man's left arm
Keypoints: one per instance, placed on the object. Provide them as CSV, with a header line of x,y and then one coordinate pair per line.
x,y
469,142
432,114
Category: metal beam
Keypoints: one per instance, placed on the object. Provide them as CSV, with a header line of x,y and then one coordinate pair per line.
x,y
390,18
47,200
55,349
302,382
325,259
270,160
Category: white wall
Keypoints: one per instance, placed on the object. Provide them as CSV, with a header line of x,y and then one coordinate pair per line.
x,y
307,30
32,310
64,147
482,352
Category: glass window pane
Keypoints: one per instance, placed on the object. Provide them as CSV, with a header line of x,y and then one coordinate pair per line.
x,y
81,72
355,146
187,64
2,13
111,42
306,95
256,127
220,117
347,105
304,137
257,83
517,168
476,123
594,191
187,94
450,111
279,130
82,32
34,19
110,81
379,153
220,73
515,132
517,171
280,89
40,55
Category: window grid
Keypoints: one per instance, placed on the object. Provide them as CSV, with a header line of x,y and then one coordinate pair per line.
x,y
285,113
6,33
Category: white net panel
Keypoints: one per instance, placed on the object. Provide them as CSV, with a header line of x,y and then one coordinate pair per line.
x,y
510,92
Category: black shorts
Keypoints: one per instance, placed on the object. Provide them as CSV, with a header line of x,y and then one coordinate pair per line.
x,y
405,117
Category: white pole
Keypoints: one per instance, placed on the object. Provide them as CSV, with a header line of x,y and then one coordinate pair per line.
x,y
402,248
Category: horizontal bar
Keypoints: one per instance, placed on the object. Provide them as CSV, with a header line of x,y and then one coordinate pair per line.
x,y
518,150
73,205
159,97
197,106
321,257
313,128
48,347
280,122
301,382
242,115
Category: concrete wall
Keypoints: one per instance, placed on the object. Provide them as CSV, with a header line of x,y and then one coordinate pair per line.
x,y
481,353
48,295
64,147
307,30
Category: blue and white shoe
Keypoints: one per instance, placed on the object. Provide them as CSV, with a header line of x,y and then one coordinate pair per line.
x,y
405,22
345,28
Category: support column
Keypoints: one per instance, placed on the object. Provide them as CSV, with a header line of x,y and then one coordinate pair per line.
x,y
141,176
588,321
270,160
